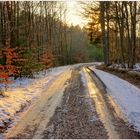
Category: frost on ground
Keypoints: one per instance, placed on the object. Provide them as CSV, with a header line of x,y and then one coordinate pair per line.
x,y
125,95
23,91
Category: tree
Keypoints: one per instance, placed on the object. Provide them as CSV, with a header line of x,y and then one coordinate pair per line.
x,y
9,69
104,37
119,22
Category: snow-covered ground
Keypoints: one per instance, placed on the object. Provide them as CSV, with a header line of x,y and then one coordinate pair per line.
x,y
119,66
126,95
137,67
23,91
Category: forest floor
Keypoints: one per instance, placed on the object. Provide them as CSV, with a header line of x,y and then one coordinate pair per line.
x,y
75,105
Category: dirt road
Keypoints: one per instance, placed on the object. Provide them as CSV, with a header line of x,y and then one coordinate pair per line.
x,y
74,106
35,119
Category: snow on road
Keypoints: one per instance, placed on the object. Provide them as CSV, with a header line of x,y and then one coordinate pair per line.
x,y
34,120
126,95
25,90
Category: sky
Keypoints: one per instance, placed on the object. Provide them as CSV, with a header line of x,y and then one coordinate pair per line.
x,y
73,13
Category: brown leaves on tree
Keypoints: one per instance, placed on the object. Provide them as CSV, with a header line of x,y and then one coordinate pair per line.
x,y
9,69
47,59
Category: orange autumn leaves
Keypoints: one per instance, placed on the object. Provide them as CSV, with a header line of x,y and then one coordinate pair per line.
x,y
9,69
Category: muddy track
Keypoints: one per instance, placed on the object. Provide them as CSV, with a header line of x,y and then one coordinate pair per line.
x,y
123,129
76,118
79,111
32,123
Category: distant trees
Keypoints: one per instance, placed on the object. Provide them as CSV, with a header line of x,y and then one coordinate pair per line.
x,y
78,42
119,24
40,34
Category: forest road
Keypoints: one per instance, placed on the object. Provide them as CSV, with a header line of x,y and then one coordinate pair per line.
x,y
35,119
75,105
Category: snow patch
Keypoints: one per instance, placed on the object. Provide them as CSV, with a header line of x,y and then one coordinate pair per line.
x,y
25,90
83,78
136,67
126,95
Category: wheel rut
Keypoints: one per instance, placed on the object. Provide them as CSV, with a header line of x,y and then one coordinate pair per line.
x,y
111,116
76,117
